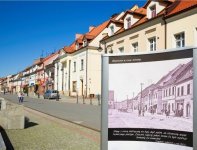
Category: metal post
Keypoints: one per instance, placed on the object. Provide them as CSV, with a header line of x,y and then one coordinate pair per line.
x,y
98,100
38,95
77,98
195,97
90,99
83,100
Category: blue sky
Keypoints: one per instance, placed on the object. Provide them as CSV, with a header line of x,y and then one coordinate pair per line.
x,y
28,28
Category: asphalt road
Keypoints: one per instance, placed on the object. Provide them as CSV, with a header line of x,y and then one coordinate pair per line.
x,y
86,115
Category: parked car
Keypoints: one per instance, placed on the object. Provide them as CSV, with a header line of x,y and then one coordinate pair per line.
x,y
51,94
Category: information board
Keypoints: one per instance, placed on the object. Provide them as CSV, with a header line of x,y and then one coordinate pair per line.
x,y
150,101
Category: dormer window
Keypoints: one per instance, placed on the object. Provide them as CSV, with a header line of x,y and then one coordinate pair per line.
x,y
153,11
85,43
128,22
112,30
77,45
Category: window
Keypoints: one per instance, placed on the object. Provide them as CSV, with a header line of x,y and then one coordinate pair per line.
x,y
74,86
180,40
85,43
173,90
153,11
82,64
121,49
188,89
164,94
112,30
152,44
172,106
135,47
128,22
74,67
77,46
182,90
178,92
169,91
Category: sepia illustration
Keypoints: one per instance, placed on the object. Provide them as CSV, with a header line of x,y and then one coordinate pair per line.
x,y
157,95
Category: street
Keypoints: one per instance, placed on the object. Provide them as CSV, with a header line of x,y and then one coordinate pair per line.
x,y
131,120
86,115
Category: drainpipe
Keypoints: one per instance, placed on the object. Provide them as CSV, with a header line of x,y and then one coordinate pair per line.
x,y
105,47
86,72
44,78
69,76
165,30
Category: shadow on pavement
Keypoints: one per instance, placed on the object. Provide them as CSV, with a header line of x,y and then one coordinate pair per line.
x,y
29,124
6,139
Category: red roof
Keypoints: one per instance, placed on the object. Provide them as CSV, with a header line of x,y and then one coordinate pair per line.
x,y
179,6
48,57
89,35
118,22
174,7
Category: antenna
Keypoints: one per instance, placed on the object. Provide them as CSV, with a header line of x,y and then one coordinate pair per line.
x,y
42,55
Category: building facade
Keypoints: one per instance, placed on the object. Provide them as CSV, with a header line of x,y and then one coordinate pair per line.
x,y
156,26
78,67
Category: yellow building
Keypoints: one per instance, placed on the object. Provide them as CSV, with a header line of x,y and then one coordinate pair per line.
x,y
158,25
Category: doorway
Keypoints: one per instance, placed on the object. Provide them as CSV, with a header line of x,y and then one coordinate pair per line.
x,y
188,110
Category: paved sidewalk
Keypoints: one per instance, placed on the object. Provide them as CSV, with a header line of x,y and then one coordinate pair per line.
x,y
44,132
69,99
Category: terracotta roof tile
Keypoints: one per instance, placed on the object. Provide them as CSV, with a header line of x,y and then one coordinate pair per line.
x,y
140,11
70,48
179,6
48,57
120,22
174,7
90,36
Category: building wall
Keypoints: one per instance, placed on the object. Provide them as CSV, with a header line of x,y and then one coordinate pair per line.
x,y
186,98
139,34
78,75
182,23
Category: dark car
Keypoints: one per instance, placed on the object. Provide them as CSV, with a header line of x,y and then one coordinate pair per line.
x,y
51,94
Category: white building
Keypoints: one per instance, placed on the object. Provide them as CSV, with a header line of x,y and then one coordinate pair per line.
x,y
78,67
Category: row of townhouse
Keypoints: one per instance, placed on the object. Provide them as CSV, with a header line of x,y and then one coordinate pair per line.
x,y
76,69
172,94
152,27
32,80
156,26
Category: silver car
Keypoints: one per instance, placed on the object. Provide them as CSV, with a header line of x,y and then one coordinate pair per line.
x,y
51,94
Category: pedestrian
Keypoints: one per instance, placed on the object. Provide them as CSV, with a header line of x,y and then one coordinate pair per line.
x,y
19,97
22,97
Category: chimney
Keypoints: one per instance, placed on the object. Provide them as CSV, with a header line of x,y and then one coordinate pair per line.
x,y
77,36
91,28
134,8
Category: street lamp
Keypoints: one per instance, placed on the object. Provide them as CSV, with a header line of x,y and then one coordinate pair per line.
x,y
57,75
141,111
